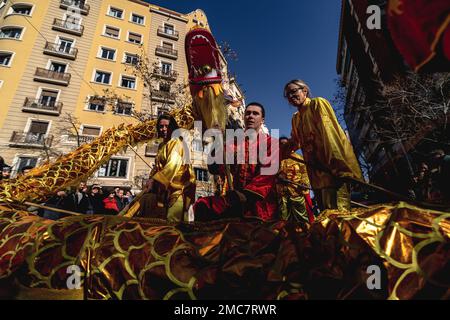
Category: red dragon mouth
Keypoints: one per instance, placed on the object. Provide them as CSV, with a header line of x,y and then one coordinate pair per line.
x,y
202,56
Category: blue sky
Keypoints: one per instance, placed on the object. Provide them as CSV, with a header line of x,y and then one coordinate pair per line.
x,y
276,41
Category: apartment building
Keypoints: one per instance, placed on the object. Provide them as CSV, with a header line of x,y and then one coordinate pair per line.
x,y
61,61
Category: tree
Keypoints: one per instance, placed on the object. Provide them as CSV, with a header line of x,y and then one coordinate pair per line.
x,y
163,90
412,109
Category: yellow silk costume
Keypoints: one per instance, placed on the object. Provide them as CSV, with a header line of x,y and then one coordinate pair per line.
x,y
177,178
317,132
296,172
291,201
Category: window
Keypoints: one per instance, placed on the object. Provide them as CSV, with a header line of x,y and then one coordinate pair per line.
x,y
198,145
134,38
169,29
116,13
90,131
102,77
132,59
48,98
24,9
168,45
201,174
112,32
10,33
96,104
58,67
165,87
106,53
5,58
124,108
166,68
64,45
137,19
37,132
25,162
128,82
115,168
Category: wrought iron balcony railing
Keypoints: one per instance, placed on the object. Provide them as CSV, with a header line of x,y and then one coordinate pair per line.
x,y
170,75
55,49
73,138
45,75
171,34
68,27
38,106
162,96
30,140
166,52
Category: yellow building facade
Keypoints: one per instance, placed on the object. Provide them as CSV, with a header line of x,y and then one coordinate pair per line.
x,y
62,62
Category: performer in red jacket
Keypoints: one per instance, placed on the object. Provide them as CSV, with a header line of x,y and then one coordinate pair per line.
x,y
254,177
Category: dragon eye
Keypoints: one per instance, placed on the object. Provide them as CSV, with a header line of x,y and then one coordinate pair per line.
x,y
206,69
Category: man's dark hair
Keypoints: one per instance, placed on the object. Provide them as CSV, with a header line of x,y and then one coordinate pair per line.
x,y
263,111
283,138
172,122
26,168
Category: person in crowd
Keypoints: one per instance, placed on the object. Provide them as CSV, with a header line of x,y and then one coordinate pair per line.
x,y
57,201
79,201
96,197
110,204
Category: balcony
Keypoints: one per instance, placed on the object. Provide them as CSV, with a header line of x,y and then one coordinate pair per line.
x,y
54,49
73,139
68,27
162,96
170,75
84,8
171,34
36,106
166,52
49,76
30,140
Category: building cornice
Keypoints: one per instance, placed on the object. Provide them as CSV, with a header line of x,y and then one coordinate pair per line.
x,y
168,13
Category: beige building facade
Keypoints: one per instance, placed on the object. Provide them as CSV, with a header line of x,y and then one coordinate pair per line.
x,y
61,61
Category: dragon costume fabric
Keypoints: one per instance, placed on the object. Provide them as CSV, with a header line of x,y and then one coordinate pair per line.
x,y
118,257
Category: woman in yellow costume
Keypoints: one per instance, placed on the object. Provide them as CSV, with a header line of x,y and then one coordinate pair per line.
x,y
326,149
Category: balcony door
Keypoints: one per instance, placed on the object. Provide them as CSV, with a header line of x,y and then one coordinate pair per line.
x,y
48,98
64,45
58,67
37,132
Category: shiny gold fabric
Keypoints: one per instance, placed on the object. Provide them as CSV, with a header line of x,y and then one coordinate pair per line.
x,y
209,106
171,170
293,171
122,258
317,132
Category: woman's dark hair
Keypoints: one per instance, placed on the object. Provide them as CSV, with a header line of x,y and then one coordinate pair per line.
x,y
172,122
263,111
